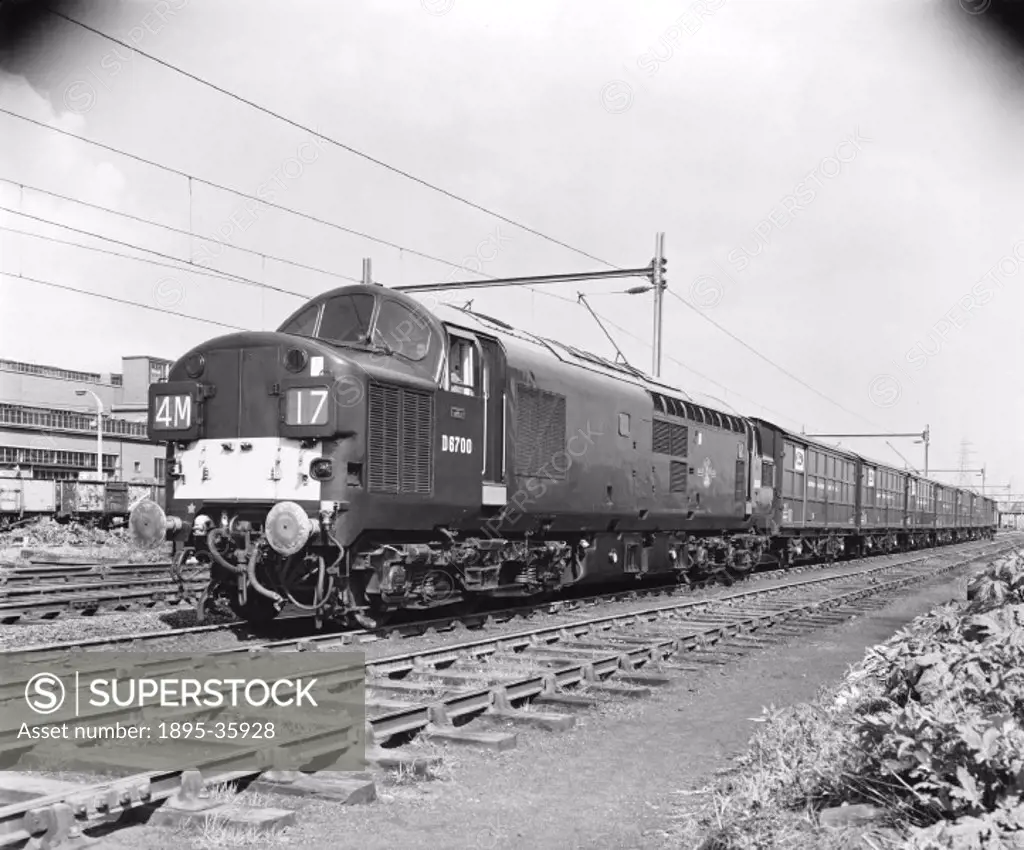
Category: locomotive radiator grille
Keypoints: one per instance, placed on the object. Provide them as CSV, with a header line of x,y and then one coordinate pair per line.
x,y
740,493
540,433
677,475
669,438
400,440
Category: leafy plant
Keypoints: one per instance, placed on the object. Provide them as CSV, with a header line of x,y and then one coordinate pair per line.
x,y
930,726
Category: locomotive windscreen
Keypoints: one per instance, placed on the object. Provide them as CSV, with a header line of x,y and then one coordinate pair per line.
x,y
347,318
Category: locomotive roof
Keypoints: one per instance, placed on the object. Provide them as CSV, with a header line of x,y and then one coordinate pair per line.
x,y
470,320
474,321
447,312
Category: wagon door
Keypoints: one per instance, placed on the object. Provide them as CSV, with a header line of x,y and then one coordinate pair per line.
x,y
794,492
869,518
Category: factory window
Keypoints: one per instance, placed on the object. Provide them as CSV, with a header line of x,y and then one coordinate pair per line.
x,y
138,466
623,424
347,318
159,467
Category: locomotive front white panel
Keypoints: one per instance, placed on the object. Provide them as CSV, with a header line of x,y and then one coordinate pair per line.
x,y
257,469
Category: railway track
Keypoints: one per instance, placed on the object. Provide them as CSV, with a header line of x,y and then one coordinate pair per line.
x,y
41,592
292,619
476,691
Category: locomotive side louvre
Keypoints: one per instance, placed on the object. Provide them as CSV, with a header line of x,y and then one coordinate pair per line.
x,y
702,458
570,468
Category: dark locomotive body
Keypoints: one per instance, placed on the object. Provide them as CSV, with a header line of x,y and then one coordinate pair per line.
x,y
375,455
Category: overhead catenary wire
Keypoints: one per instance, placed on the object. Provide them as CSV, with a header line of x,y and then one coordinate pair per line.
x,y
348,148
191,269
115,299
767,359
226,276
172,229
171,170
197,270
403,173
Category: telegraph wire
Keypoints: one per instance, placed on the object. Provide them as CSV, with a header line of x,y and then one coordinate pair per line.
x,y
765,358
171,170
226,276
69,288
179,230
335,142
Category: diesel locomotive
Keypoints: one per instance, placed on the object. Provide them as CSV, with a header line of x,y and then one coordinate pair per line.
x,y
376,454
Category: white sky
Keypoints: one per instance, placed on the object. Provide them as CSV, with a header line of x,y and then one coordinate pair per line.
x,y
509,105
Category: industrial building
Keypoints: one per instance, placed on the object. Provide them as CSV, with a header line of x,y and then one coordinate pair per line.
x,y
48,418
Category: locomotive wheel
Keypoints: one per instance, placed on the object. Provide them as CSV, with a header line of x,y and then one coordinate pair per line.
x,y
257,610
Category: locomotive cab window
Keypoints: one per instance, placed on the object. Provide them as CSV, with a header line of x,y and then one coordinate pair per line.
x,y
463,366
347,318
402,331
303,324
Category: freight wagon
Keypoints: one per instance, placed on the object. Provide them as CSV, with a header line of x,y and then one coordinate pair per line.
x,y
100,503
829,502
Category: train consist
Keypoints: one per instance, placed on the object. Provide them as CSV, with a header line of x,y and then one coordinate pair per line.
x,y
374,455
23,498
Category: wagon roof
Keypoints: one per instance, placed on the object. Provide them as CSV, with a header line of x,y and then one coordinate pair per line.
x,y
803,438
